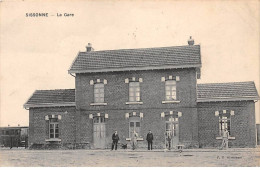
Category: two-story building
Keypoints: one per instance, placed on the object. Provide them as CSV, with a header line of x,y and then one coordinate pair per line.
x,y
140,90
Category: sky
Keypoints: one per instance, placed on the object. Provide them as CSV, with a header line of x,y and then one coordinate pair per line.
x,y
36,53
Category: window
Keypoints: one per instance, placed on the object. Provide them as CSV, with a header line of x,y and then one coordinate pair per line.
x,y
99,93
99,119
172,126
170,90
16,132
134,92
134,125
54,128
224,123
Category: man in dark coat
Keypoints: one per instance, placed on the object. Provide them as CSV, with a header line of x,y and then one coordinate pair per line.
x,y
149,139
115,139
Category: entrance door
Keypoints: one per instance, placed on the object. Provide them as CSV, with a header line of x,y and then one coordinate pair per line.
x,y
172,130
99,132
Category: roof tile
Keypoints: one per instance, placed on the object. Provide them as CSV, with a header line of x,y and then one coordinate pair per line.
x,y
132,58
226,91
52,96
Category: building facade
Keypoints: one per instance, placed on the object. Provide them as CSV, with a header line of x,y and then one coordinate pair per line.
x,y
137,90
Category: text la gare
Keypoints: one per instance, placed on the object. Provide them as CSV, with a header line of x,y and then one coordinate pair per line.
x,y
65,15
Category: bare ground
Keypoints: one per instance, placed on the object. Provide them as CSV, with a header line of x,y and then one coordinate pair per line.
x,y
139,158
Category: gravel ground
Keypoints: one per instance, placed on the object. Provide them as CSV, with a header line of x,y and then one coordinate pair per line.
x,y
106,158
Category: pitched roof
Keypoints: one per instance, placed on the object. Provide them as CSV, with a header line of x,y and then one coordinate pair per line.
x,y
226,91
137,59
58,97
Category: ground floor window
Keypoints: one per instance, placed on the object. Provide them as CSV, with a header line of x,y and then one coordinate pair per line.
x,y
134,125
54,128
224,123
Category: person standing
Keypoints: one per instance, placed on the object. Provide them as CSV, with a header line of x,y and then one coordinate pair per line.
x,y
134,140
225,135
169,140
115,139
149,139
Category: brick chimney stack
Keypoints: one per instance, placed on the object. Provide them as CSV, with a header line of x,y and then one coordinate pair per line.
x,y
89,47
191,41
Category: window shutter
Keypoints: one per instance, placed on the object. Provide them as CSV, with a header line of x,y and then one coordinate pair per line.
x,y
127,80
216,113
105,81
91,82
177,78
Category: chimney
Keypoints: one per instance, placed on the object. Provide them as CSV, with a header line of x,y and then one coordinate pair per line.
x,y
191,41
89,47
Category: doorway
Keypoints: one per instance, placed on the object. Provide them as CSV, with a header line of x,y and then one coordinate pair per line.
x,y
99,132
172,130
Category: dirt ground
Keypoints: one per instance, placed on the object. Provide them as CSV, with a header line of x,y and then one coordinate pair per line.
x,y
107,158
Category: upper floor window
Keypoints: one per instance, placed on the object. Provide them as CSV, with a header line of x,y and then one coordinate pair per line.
x,y
54,128
170,90
99,93
134,92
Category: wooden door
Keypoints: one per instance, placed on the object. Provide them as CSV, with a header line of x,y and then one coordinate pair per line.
x,y
99,133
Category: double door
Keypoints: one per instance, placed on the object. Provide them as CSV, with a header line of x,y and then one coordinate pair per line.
x,y
99,132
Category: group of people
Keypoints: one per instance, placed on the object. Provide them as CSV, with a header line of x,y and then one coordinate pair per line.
x,y
149,139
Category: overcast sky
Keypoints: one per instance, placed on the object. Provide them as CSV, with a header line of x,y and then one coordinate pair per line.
x,y
36,53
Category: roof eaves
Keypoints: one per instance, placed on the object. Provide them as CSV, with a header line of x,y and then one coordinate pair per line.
x,y
27,106
29,98
227,99
136,68
73,62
